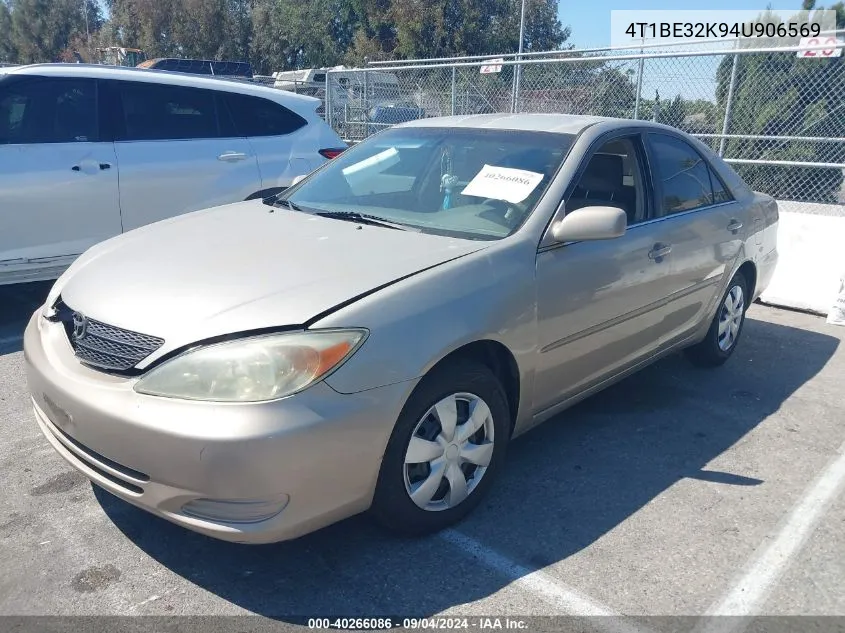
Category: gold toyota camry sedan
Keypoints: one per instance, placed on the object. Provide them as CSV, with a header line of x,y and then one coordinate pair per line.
x,y
373,337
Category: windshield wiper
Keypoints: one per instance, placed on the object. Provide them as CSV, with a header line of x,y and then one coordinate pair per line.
x,y
363,218
287,204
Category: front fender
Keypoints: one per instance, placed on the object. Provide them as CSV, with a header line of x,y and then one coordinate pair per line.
x,y
413,324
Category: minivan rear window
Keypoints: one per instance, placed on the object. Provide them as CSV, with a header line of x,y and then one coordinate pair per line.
x,y
254,116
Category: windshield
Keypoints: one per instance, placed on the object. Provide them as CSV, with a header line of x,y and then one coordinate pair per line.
x,y
461,182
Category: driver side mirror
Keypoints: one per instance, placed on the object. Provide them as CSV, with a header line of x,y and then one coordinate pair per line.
x,y
591,223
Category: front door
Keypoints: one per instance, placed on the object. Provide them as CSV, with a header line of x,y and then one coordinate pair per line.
x,y
58,181
602,304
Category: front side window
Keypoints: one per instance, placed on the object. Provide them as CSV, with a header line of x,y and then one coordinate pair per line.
x,y
470,183
681,175
43,110
155,112
613,177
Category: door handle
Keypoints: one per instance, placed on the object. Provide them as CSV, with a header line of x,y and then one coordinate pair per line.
x,y
231,157
659,251
89,166
734,226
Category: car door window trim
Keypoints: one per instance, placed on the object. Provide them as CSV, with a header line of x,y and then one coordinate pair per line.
x,y
680,214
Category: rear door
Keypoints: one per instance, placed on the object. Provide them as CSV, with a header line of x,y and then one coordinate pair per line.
x,y
178,152
58,175
287,144
705,226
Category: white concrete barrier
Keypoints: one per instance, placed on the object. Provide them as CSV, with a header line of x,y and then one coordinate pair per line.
x,y
811,260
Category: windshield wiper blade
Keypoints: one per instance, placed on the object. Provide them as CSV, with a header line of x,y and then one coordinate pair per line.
x,y
363,218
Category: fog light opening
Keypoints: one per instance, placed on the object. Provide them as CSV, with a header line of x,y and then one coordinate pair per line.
x,y
226,511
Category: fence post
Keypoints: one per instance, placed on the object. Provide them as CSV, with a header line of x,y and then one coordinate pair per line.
x,y
454,94
729,105
518,77
366,112
639,87
328,104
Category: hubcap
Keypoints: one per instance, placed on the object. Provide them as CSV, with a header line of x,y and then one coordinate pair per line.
x,y
449,452
730,318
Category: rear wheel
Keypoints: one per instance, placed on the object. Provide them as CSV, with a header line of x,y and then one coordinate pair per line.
x,y
726,327
446,448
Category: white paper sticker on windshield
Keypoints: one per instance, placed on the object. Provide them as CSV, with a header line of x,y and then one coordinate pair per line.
x,y
503,183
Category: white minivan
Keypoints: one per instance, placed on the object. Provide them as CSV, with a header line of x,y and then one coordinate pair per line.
x,y
88,152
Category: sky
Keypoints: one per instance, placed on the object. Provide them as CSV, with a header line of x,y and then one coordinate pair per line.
x,y
590,19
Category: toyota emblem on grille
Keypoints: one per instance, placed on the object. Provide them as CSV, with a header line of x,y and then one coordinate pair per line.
x,y
80,326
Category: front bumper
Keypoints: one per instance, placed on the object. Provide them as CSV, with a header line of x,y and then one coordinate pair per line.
x,y
309,460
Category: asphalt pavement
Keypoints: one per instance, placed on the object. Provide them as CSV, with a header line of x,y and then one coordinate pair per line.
x,y
677,492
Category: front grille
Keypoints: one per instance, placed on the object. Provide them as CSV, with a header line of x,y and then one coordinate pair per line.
x,y
106,346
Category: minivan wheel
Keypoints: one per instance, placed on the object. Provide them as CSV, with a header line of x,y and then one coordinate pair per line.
x,y
726,327
445,450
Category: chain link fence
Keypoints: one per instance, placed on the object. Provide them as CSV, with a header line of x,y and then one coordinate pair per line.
x,y
778,117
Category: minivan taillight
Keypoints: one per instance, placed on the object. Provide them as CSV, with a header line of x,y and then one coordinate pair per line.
x,y
332,152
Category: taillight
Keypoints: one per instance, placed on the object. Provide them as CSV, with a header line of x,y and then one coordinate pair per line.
x,y
332,152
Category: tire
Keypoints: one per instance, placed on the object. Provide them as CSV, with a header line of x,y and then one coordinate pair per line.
x,y
470,385
716,348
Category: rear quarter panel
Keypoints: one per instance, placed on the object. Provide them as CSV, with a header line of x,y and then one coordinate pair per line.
x,y
763,239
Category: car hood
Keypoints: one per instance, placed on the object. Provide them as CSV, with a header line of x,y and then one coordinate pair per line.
x,y
241,267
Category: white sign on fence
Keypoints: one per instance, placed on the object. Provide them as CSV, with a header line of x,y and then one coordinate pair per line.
x,y
822,40
492,66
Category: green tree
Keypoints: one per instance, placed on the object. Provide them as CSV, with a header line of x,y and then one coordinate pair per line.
x,y
203,29
43,29
293,34
7,48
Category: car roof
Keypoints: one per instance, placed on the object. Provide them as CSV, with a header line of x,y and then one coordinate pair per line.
x,y
97,71
527,122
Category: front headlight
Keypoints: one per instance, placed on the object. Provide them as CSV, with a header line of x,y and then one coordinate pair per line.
x,y
252,369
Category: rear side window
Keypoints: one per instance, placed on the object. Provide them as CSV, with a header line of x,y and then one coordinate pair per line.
x,y
49,111
254,116
720,191
154,112
684,178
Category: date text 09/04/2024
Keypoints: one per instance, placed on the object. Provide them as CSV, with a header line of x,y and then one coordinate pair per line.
x,y
434,623
647,30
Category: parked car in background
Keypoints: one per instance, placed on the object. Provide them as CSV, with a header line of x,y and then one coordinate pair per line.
x,y
375,335
90,151
392,112
353,93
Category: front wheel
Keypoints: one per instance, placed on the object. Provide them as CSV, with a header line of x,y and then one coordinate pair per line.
x,y
446,448
725,329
